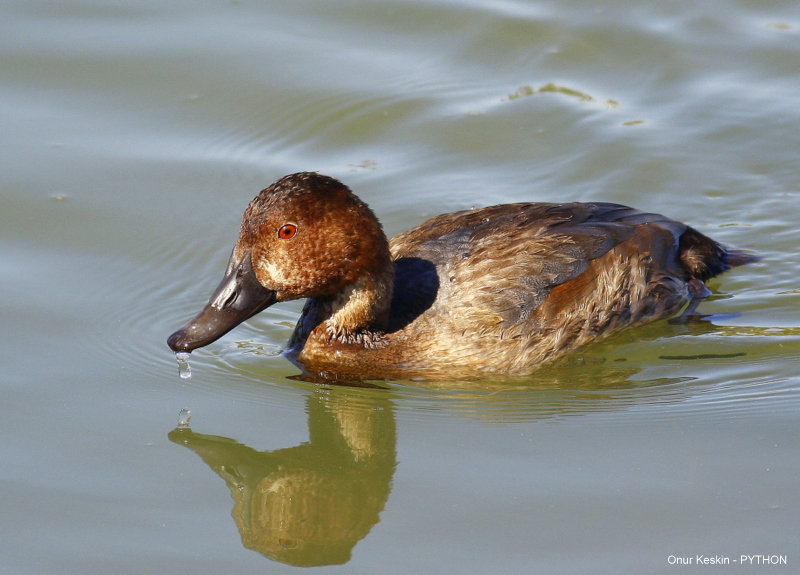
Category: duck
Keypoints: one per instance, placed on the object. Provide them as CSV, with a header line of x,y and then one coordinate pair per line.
x,y
496,291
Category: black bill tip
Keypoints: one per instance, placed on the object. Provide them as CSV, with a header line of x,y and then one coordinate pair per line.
x,y
238,298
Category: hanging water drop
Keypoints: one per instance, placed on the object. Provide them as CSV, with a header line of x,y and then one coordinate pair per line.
x,y
184,369
183,418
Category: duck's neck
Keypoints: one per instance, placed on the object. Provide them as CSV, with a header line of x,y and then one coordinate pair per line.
x,y
359,314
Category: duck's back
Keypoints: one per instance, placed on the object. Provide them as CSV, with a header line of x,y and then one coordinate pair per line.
x,y
505,288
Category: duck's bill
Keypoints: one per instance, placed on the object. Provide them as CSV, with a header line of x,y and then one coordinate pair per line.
x,y
238,298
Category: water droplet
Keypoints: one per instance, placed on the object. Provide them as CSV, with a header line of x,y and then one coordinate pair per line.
x,y
183,418
184,369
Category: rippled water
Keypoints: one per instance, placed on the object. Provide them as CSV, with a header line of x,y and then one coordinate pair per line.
x,y
134,134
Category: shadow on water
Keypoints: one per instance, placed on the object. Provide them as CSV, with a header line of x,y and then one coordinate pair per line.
x,y
310,504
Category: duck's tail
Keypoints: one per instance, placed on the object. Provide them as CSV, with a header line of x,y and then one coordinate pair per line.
x,y
704,258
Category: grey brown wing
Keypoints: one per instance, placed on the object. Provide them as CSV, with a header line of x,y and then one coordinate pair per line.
x,y
498,265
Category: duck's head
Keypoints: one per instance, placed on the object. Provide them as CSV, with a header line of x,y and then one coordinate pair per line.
x,y
305,236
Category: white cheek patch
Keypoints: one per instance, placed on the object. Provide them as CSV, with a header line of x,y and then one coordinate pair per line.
x,y
273,272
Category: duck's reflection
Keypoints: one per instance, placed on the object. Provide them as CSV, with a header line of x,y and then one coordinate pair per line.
x,y
310,504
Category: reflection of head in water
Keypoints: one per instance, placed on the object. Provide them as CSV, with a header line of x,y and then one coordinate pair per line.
x,y
310,504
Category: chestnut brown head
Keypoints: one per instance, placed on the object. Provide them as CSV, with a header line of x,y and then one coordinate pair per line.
x,y
306,235
310,236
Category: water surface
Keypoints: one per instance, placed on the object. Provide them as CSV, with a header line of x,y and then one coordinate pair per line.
x,y
135,133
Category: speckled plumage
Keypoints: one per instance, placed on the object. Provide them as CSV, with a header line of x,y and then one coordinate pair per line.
x,y
499,290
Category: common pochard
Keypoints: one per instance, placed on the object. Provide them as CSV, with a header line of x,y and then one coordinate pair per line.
x,y
492,291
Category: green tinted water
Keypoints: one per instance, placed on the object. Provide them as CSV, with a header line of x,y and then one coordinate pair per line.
x,y
134,134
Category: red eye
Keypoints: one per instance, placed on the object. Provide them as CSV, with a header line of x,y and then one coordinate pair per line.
x,y
287,231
